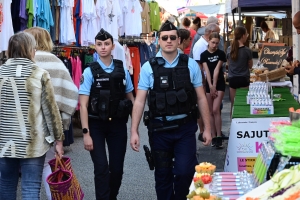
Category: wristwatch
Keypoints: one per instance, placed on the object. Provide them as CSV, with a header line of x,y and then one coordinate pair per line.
x,y
85,130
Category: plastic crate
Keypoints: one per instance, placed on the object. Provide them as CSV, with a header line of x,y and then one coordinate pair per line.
x,y
275,161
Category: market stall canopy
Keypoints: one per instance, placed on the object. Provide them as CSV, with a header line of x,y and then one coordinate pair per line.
x,y
260,5
201,15
273,14
171,6
209,9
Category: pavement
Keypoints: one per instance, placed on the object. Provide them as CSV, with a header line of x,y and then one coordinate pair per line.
x,y
138,181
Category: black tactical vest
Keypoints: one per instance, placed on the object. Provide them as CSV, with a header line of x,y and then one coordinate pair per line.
x,y
107,91
172,93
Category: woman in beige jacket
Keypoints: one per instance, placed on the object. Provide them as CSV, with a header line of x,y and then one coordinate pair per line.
x,y
29,122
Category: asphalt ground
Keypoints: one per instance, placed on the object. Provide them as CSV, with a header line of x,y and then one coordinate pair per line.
x,y
138,181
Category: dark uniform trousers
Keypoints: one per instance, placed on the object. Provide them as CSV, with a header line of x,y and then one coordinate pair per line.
x,y
108,174
173,183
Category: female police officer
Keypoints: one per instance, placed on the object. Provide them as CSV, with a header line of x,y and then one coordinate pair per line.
x,y
105,104
175,85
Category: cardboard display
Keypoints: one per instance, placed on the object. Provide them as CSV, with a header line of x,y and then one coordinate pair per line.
x,y
245,140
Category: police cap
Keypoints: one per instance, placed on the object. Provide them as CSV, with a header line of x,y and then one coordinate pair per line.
x,y
103,35
167,26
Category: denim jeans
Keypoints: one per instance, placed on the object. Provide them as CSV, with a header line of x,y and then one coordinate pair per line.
x,y
108,174
31,177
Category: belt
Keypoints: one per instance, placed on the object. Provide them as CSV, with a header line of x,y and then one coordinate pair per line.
x,y
158,125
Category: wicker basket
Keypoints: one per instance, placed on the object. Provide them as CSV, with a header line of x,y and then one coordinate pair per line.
x,y
273,75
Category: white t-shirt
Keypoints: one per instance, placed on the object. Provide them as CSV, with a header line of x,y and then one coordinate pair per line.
x,y
6,27
119,53
110,16
122,16
89,25
199,47
67,34
133,18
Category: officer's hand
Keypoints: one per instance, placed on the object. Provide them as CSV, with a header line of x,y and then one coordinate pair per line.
x,y
135,141
88,143
206,138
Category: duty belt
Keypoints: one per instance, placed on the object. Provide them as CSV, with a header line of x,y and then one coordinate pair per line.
x,y
158,125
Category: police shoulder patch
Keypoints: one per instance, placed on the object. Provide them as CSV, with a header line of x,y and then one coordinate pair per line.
x,y
81,79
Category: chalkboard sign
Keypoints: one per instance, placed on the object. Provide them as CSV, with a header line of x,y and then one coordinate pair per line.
x,y
272,56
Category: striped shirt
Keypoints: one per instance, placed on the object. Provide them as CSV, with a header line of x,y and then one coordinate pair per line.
x,y
28,112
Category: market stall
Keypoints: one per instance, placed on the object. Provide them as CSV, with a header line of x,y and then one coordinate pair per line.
x,y
275,175
248,131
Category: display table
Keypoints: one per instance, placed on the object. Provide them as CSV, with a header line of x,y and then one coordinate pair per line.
x,y
282,84
259,191
248,131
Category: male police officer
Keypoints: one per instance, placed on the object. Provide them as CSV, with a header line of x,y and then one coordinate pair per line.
x,y
175,85
104,113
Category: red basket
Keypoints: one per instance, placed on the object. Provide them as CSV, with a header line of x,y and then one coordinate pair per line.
x,y
62,181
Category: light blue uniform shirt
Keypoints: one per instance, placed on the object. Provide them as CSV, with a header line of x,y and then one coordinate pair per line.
x,y
85,87
146,79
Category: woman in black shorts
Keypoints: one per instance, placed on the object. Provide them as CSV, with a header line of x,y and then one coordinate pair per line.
x,y
212,60
239,61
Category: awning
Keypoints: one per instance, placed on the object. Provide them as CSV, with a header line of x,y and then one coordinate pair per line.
x,y
209,9
201,15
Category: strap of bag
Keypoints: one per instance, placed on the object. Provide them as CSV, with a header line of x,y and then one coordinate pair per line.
x,y
59,162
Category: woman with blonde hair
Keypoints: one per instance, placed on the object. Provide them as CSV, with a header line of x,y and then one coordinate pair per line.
x,y
66,92
239,62
29,122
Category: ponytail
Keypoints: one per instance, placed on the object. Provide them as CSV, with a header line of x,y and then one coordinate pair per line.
x,y
239,32
234,52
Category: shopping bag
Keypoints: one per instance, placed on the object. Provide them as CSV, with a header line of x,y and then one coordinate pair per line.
x,y
60,186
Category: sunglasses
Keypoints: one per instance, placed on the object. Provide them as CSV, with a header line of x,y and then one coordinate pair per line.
x,y
166,37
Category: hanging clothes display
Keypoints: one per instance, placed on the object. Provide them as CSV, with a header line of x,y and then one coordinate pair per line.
x,y
53,28
15,10
111,18
89,26
29,9
44,17
154,15
122,4
23,15
6,27
129,66
119,53
77,18
145,17
151,50
133,10
144,53
57,21
67,35
136,63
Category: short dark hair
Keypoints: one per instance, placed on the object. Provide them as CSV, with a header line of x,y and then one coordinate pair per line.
x,y
186,21
184,34
264,25
197,21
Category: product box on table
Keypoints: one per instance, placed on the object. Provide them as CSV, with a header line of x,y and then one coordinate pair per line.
x,y
261,110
